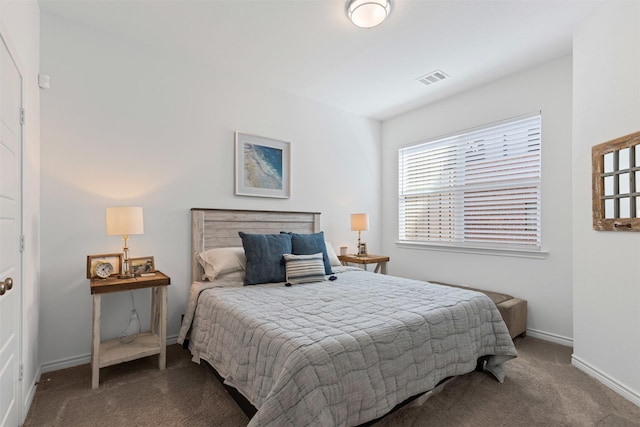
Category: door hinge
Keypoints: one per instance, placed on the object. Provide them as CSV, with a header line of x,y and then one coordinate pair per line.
x,y
21,372
22,118
22,243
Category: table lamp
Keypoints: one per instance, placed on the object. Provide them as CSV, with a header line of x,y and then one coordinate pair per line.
x,y
123,221
359,223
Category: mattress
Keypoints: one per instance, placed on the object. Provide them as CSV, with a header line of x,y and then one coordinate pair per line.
x,y
343,352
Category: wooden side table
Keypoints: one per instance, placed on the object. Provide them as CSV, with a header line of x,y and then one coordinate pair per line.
x,y
112,352
380,260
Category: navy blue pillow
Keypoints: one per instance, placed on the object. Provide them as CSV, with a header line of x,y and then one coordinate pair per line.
x,y
309,244
264,257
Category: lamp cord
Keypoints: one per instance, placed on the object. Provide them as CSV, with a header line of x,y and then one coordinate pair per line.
x,y
133,327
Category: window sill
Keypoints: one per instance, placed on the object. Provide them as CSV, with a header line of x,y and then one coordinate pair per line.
x,y
510,252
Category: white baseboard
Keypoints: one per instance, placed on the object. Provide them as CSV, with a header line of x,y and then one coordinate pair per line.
x,y
547,336
83,359
29,396
68,362
629,394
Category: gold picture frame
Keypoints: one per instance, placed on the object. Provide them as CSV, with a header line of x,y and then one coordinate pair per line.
x,y
144,264
114,259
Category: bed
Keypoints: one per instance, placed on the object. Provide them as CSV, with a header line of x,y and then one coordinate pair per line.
x,y
339,352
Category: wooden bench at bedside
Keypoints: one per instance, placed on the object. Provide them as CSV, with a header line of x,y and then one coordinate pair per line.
x,y
513,310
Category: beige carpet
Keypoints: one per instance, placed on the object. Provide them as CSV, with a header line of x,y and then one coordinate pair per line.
x,y
541,389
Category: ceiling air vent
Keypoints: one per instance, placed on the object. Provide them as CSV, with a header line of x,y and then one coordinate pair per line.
x,y
432,77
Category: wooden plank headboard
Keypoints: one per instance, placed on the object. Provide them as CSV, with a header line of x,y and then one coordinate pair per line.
x,y
218,228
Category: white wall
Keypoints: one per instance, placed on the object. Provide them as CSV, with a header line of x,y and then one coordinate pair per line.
x,y
123,124
22,22
606,285
544,283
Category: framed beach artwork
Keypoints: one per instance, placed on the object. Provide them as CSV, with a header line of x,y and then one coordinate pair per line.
x,y
263,166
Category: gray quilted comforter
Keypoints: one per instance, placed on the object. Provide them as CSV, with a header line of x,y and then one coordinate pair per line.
x,y
346,352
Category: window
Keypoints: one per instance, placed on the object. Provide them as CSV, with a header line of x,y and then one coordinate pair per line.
x,y
476,189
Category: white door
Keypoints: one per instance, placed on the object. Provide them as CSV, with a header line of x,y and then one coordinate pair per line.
x,y
10,232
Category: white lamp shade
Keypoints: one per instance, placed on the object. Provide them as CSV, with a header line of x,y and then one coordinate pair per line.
x,y
359,222
124,220
368,13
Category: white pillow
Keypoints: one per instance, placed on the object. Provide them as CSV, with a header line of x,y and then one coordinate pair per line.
x,y
222,261
333,258
231,280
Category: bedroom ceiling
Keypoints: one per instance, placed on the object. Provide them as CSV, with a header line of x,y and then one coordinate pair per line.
x,y
309,48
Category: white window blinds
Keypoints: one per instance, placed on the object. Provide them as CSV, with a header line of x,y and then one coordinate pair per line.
x,y
478,188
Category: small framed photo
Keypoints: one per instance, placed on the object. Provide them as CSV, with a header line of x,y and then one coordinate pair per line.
x,y
362,251
142,265
114,259
263,166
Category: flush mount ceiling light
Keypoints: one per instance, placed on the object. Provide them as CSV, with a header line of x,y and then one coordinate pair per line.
x,y
368,13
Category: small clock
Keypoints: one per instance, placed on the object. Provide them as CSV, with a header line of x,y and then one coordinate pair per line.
x,y
102,269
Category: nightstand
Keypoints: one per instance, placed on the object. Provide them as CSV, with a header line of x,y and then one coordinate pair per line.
x,y
112,352
380,260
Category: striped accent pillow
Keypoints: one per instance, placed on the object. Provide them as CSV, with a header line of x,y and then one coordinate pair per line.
x,y
304,268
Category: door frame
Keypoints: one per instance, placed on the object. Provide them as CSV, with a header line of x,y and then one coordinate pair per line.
x,y
21,413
